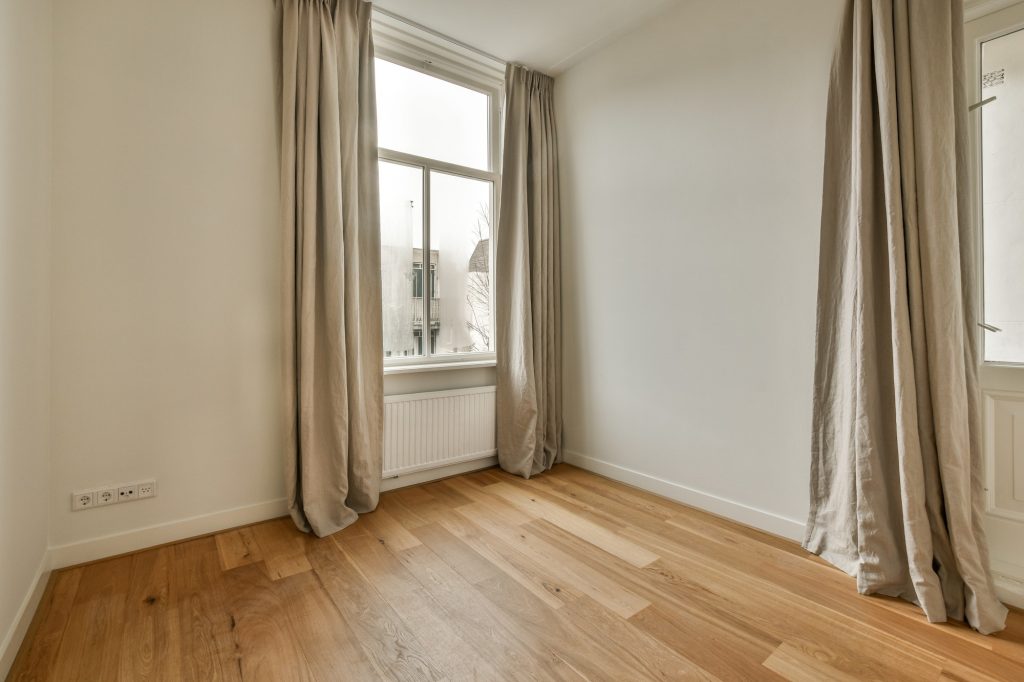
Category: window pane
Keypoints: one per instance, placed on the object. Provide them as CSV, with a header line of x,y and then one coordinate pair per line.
x,y
1003,194
401,254
423,115
460,244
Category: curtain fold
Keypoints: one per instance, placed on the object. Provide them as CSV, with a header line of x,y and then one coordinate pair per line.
x,y
528,324
333,345
895,480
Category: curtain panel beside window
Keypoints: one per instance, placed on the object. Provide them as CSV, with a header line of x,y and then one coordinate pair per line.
x,y
528,292
332,268
896,471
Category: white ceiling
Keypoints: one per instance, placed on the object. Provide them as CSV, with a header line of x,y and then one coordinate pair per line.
x,y
548,35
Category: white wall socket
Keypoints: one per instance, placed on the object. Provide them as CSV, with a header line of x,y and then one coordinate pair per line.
x,y
100,497
83,500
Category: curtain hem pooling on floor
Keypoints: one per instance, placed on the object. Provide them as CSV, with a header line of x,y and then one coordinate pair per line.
x,y
528,292
334,401
896,485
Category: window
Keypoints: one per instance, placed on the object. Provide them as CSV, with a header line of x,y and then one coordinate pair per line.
x,y
437,132
1002,161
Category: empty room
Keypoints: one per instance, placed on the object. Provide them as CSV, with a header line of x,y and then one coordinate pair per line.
x,y
489,340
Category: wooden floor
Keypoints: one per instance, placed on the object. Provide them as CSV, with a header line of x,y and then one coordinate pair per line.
x,y
486,576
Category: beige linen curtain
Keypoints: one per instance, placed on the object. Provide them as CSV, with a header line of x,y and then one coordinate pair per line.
x,y
334,391
895,480
528,280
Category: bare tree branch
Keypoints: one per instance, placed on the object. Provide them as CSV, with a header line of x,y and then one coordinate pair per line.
x,y
478,289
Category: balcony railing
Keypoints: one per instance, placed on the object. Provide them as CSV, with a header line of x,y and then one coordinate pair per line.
x,y
417,312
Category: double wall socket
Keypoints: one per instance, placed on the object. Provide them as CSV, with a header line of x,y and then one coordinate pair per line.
x,y
100,497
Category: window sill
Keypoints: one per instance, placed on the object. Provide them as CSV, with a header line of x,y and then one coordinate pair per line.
x,y
439,366
1003,364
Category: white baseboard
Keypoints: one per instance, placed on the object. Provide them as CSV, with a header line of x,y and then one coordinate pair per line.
x,y
432,467
23,618
438,473
61,556
1009,580
737,511
172,531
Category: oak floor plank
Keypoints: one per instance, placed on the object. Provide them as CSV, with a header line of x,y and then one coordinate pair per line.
x,y
36,659
789,616
209,650
151,620
1010,642
706,641
478,621
327,641
557,637
394,650
238,548
281,547
562,566
622,652
608,509
539,508
649,656
608,492
388,530
265,648
793,663
486,576
91,643
446,495
486,503
806,580
416,507
482,477
473,567
717,589
409,506
511,562
441,641
640,499
684,595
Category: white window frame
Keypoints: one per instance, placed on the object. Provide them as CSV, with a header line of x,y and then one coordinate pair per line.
x,y
407,44
975,161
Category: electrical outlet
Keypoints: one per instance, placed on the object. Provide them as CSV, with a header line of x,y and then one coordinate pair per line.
x,y
106,496
100,497
83,500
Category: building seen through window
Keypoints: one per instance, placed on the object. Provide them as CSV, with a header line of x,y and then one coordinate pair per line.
x,y
436,185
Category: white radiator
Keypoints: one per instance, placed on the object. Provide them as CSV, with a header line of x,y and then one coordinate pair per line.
x,y
427,430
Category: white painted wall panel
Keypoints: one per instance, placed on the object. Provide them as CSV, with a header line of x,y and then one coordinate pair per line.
x,y
691,153
25,233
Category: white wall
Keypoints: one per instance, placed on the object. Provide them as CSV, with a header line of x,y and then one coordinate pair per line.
x,y
25,81
167,271
166,260
691,155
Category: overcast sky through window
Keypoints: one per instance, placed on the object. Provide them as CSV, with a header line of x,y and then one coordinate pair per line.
x,y
425,116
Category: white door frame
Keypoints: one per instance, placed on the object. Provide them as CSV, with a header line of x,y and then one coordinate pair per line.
x,y
1002,385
